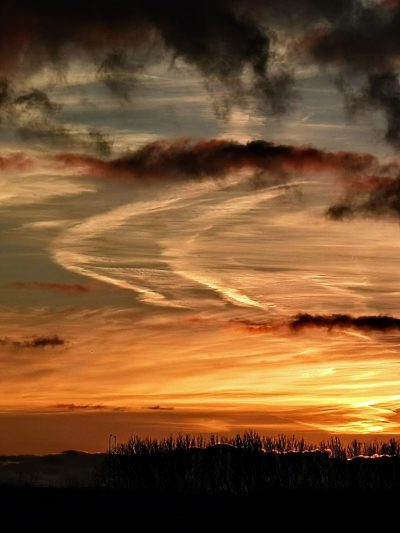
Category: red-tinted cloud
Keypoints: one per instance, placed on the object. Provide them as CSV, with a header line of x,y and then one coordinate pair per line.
x,y
17,161
371,187
215,158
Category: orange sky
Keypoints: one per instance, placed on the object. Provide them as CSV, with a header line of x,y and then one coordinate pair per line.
x,y
173,195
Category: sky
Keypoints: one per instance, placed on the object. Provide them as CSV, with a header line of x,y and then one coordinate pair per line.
x,y
199,211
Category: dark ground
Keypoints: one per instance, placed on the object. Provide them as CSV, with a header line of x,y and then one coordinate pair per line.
x,y
217,488
93,509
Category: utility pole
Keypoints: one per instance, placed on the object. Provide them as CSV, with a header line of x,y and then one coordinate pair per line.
x,y
112,443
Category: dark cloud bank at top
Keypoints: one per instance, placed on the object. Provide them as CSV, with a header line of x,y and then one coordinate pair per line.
x,y
364,46
358,40
222,39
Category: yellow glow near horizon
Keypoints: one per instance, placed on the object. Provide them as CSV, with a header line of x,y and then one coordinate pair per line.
x,y
296,379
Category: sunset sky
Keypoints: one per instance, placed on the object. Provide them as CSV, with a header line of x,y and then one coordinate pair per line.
x,y
200,211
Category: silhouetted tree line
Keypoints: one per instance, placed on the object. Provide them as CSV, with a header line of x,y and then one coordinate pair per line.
x,y
250,464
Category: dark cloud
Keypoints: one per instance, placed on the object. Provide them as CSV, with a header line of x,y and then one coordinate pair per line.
x,y
4,92
36,100
364,39
43,133
160,408
6,96
376,197
21,109
119,74
340,211
99,141
71,288
365,44
83,407
206,35
384,92
382,323
33,116
303,321
35,342
276,92
184,158
380,91
223,39
220,38
371,187
56,136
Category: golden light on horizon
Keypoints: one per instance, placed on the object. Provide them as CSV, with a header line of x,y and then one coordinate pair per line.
x,y
281,382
